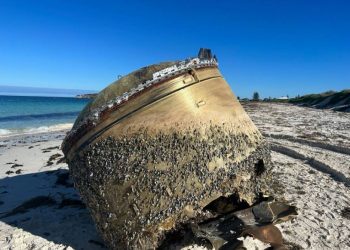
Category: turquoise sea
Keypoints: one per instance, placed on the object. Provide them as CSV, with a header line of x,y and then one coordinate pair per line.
x,y
34,114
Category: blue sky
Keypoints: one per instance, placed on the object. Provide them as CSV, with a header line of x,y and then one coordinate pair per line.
x,y
275,47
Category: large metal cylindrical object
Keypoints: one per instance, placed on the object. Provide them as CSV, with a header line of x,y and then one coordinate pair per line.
x,y
161,156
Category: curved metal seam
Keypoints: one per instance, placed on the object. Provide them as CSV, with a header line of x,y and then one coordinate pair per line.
x,y
101,131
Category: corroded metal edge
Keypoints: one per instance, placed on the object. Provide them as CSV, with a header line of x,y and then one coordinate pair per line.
x,y
136,102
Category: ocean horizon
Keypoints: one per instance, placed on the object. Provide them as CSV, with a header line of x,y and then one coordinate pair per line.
x,y
32,114
6,90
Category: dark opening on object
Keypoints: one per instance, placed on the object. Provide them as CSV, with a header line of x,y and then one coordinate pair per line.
x,y
260,167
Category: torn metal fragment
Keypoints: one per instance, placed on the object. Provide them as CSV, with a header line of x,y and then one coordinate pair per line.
x,y
256,221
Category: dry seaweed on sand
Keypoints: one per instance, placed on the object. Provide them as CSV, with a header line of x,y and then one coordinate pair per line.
x,y
50,148
345,213
16,165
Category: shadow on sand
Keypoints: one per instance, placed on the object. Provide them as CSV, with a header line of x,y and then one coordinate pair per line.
x,y
45,204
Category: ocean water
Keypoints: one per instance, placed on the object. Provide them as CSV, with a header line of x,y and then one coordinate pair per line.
x,y
30,114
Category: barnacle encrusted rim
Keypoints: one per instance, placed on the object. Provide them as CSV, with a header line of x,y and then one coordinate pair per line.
x,y
146,79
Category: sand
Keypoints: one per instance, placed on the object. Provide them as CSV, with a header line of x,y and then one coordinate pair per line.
x,y
315,179
66,224
309,153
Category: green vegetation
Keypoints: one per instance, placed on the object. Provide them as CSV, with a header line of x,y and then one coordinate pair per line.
x,y
275,100
339,101
256,96
334,96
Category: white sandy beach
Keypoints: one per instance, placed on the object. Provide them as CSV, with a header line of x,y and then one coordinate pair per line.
x,y
310,151
64,223
39,208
